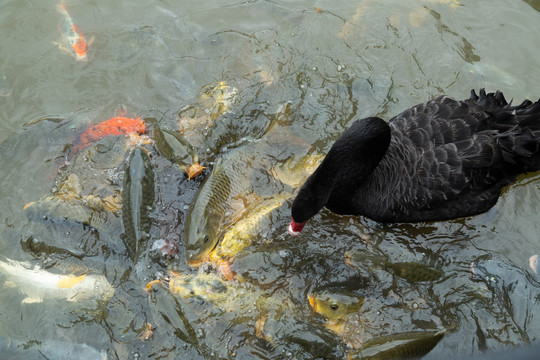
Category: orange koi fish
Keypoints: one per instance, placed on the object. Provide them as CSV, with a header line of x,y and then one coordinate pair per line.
x,y
73,39
118,125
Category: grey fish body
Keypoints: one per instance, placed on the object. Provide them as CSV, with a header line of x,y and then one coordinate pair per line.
x,y
173,146
68,204
47,349
410,271
137,200
415,272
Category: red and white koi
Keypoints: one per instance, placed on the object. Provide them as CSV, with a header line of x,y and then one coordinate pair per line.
x,y
73,40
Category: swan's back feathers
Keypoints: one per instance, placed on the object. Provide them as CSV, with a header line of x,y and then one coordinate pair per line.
x,y
446,150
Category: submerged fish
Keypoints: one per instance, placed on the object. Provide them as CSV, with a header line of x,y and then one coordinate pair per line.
x,y
243,233
294,172
73,40
218,204
216,304
231,296
342,312
177,149
227,196
67,204
406,345
137,200
410,271
40,249
215,100
12,349
357,319
38,284
115,126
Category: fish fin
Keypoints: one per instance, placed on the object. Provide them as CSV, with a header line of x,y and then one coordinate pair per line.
x,y
61,47
32,300
61,8
10,284
91,41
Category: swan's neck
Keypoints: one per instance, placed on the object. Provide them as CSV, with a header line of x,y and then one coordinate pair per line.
x,y
350,160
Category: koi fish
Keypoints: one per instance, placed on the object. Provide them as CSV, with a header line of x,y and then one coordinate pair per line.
x,y
118,125
73,40
37,283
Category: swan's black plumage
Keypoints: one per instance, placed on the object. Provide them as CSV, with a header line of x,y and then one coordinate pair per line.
x,y
438,160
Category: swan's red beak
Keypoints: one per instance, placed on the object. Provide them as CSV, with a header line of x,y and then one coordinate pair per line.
x,y
296,227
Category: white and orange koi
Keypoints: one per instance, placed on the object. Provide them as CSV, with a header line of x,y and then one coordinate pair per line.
x,y
38,284
73,40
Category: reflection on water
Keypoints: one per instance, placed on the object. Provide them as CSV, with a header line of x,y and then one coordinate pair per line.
x,y
269,83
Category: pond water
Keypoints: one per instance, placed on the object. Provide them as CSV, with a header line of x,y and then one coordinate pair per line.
x,y
302,70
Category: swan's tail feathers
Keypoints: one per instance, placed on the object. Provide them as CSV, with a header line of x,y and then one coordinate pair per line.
x,y
517,127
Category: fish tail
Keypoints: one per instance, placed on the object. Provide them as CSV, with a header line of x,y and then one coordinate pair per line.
x,y
61,8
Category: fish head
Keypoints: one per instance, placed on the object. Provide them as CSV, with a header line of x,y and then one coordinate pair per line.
x,y
139,126
200,236
334,306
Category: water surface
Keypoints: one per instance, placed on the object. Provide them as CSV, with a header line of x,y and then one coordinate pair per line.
x,y
331,62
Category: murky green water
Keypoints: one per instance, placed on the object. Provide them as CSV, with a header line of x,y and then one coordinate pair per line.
x,y
330,62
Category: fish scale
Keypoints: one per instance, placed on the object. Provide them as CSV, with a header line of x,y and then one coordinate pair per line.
x,y
244,232
137,200
212,211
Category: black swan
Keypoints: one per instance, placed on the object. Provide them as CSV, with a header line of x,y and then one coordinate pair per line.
x,y
435,161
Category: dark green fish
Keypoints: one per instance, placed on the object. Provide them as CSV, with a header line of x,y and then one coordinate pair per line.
x,y
410,271
173,146
40,249
404,345
137,200
228,194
